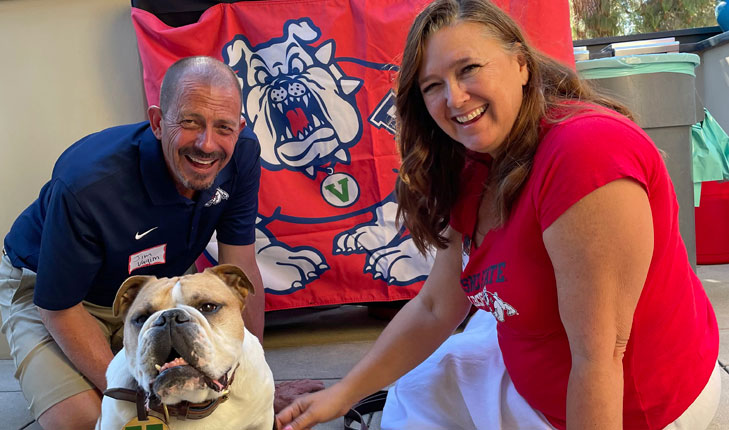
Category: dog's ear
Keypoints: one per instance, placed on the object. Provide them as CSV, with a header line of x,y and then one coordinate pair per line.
x,y
127,292
234,277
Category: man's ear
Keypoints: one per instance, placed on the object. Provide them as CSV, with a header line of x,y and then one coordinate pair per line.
x,y
154,113
242,122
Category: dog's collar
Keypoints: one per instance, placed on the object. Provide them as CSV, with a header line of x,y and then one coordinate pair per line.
x,y
184,410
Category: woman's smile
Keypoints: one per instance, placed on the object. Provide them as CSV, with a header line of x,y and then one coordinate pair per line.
x,y
471,117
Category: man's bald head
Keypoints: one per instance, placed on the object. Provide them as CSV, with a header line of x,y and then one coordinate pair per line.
x,y
201,69
198,121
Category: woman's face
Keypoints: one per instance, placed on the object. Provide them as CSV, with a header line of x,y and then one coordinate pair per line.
x,y
472,86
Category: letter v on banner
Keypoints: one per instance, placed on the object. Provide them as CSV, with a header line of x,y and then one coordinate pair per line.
x,y
342,193
340,190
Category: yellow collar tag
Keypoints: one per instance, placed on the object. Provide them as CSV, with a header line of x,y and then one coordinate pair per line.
x,y
151,423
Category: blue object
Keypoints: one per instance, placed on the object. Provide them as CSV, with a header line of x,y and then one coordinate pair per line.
x,y
722,15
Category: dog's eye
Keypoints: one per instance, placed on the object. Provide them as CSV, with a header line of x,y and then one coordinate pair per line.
x,y
140,319
208,308
262,76
296,65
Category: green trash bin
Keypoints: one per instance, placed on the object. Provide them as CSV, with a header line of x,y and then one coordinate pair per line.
x,y
660,90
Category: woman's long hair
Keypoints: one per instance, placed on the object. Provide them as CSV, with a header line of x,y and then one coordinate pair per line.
x,y
428,183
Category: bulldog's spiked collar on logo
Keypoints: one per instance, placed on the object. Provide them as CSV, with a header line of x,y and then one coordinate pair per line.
x,y
147,401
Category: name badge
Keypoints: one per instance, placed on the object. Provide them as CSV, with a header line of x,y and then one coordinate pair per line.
x,y
148,257
151,423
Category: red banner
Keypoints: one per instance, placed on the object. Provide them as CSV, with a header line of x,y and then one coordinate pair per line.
x,y
317,90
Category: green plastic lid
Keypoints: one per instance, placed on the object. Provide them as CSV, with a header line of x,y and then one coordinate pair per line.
x,y
627,65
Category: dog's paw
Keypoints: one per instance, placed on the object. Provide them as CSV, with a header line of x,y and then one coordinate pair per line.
x,y
361,239
399,264
284,268
369,236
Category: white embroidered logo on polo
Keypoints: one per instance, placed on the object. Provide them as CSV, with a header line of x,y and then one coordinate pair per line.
x,y
138,235
148,257
219,196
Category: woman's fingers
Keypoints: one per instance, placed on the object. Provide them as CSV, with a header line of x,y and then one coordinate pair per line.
x,y
285,418
300,415
309,410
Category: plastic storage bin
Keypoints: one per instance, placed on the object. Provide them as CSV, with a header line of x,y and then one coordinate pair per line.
x,y
660,90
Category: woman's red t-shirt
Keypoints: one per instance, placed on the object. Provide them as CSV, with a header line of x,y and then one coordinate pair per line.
x,y
673,345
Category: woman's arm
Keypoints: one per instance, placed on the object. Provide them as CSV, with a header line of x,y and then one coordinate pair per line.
x,y
601,249
412,335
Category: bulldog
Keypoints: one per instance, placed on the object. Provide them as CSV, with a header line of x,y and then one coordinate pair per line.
x,y
188,359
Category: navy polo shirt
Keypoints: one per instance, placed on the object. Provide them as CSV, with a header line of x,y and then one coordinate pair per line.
x,y
111,210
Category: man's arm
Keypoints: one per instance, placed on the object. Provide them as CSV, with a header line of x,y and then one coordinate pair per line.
x,y
244,256
82,340
253,316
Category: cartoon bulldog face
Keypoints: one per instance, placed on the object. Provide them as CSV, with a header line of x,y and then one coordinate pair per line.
x,y
183,335
296,98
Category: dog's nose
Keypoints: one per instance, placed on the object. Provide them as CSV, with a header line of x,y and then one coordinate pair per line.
x,y
172,316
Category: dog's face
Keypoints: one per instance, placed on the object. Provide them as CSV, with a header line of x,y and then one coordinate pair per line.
x,y
298,100
183,335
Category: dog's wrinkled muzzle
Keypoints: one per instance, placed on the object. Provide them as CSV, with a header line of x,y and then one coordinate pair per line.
x,y
173,357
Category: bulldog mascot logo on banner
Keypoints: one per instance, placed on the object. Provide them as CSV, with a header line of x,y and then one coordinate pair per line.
x,y
298,101
302,106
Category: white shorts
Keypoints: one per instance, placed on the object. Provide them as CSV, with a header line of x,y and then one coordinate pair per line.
x,y
464,385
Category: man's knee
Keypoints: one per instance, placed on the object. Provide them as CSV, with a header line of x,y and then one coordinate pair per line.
x,y
78,412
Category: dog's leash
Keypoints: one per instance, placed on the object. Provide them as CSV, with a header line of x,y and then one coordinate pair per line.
x,y
367,406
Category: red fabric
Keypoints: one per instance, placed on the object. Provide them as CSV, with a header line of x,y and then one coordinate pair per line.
x,y
674,341
363,42
545,24
712,229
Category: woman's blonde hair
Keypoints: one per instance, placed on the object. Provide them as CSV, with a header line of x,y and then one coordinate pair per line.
x,y
428,182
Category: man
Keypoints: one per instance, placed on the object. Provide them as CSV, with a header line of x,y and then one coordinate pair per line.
x,y
140,199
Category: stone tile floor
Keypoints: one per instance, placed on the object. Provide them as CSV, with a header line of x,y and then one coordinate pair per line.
x,y
324,343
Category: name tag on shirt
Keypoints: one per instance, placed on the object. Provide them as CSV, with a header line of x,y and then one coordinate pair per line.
x,y
148,257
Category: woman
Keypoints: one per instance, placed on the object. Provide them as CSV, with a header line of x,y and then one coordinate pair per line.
x,y
570,221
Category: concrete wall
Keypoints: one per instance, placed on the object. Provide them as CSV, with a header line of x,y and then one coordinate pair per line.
x,y
67,69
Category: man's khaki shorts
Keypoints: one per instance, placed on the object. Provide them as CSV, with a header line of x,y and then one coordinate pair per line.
x,y
45,375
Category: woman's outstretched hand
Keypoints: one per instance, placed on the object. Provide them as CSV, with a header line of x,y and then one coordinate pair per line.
x,y
287,391
316,408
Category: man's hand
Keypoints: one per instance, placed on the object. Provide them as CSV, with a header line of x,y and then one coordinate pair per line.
x,y
287,392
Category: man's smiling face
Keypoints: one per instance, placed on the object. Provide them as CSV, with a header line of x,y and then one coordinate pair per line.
x,y
199,133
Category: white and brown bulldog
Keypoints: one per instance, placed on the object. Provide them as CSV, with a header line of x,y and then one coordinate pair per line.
x,y
187,351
